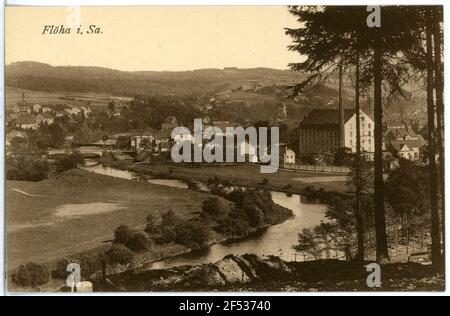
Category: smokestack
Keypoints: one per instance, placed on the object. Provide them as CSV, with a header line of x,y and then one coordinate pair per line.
x,y
341,112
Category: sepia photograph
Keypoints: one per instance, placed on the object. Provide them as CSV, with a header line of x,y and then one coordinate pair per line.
x,y
222,149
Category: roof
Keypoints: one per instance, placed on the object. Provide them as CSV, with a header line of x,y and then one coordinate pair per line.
x,y
398,144
401,133
326,117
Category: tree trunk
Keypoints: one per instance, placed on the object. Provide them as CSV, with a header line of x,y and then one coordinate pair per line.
x,y
439,84
432,170
359,221
341,112
380,217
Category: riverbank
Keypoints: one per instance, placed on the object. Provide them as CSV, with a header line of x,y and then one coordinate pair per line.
x,y
270,273
245,175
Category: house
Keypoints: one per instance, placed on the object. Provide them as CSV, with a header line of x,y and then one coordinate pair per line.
x,y
319,132
407,149
287,155
26,121
394,122
404,143
401,134
60,113
14,134
46,109
37,108
44,118
72,110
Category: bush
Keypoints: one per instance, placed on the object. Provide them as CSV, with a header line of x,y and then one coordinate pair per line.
x,y
68,162
169,218
31,274
26,169
119,254
192,234
150,226
138,241
264,181
192,185
168,235
89,265
122,234
254,214
211,206
232,227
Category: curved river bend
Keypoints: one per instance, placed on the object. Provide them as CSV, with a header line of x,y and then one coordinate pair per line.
x,y
275,240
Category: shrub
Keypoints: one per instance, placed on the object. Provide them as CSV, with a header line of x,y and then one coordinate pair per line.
x,y
192,234
139,240
168,235
169,218
254,214
237,196
150,226
31,274
26,169
264,181
122,234
89,265
192,185
68,162
211,206
119,254
232,227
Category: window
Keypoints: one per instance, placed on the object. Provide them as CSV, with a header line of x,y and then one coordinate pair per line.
x,y
370,133
370,126
351,134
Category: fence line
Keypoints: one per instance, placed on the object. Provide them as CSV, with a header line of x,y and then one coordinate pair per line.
x,y
314,168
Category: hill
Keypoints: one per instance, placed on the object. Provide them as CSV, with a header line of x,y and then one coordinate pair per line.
x,y
44,77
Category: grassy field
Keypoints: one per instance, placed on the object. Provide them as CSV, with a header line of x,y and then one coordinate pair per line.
x,y
249,176
77,211
14,95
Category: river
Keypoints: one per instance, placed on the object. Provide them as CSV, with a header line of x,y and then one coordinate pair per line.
x,y
275,240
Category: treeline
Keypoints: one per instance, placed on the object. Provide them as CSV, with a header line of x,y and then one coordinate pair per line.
x,y
382,52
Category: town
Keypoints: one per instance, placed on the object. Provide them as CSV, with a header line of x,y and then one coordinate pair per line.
x,y
404,134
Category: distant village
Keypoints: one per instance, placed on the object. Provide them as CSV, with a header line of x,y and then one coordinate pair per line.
x,y
321,134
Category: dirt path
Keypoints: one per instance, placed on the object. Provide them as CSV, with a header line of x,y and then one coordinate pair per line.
x,y
25,193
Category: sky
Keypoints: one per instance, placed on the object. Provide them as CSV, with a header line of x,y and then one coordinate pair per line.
x,y
153,37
